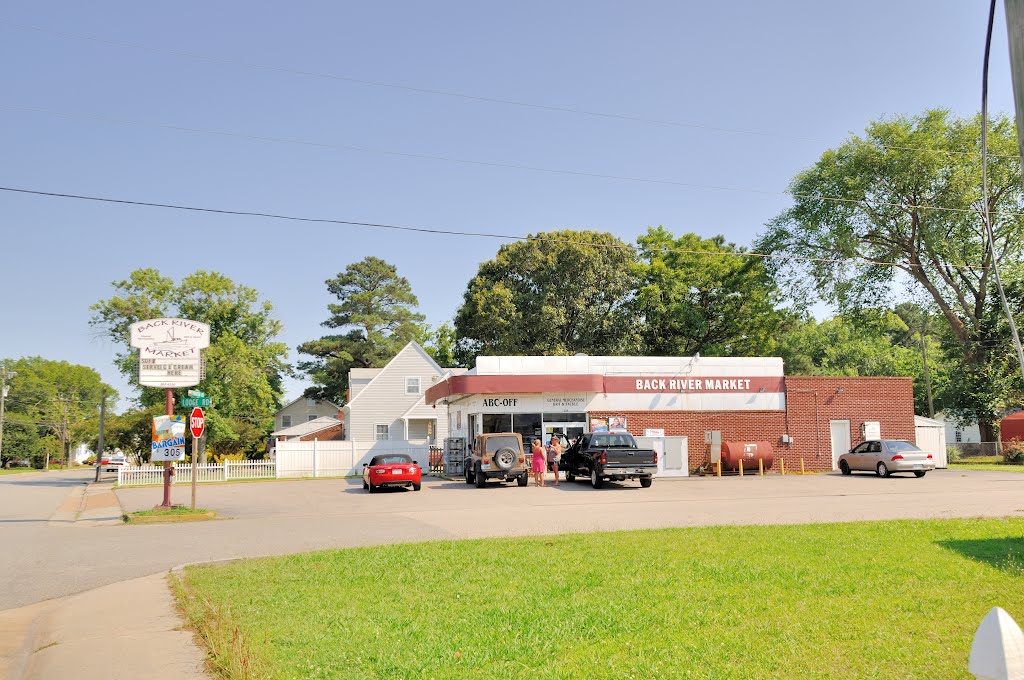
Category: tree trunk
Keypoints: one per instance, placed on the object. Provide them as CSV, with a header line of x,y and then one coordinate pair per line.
x,y
987,428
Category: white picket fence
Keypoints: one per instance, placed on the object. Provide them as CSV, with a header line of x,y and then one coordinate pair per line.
x,y
339,458
291,460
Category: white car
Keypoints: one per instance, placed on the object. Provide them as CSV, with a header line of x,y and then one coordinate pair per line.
x,y
111,463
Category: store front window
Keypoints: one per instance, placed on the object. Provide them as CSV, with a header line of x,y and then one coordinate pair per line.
x,y
496,422
529,425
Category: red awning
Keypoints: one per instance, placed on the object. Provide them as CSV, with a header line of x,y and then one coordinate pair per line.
x,y
458,385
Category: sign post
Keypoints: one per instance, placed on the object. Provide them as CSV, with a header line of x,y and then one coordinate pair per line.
x,y
170,355
196,425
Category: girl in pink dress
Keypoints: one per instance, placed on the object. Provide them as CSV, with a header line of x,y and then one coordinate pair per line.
x,y
538,463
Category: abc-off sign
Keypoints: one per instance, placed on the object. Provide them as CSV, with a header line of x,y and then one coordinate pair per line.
x,y
197,422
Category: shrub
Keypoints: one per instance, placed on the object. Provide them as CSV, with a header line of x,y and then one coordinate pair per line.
x,y
1013,452
952,454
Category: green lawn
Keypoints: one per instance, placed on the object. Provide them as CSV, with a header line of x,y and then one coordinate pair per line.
x,y
18,470
990,463
863,600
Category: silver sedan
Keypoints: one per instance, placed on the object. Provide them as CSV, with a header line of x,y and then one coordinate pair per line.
x,y
885,456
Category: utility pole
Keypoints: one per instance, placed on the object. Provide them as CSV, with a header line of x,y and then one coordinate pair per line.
x,y
99,444
927,376
5,375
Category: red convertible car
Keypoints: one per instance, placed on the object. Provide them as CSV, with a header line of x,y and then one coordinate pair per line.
x,y
392,469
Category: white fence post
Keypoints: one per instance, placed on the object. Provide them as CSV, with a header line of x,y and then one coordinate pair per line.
x,y
227,476
314,458
118,473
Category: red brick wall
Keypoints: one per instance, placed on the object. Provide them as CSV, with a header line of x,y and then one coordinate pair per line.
x,y
887,400
335,432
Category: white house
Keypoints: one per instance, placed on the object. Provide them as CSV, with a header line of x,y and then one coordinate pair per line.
x,y
303,410
957,432
386,404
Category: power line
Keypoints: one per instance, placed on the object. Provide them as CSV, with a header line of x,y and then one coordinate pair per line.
x,y
459,95
452,232
485,163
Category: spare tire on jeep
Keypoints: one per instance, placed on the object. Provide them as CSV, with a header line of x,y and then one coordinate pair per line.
x,y
506,458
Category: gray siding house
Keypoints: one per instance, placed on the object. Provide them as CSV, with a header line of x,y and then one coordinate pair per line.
x,y
303,410
386,404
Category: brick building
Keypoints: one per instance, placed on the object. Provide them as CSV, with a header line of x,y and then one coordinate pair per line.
x,y
696,401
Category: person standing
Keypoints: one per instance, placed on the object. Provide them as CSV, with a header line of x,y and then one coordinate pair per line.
x,y
554,453
538,462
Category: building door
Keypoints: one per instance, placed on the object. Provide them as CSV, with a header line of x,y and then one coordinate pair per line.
x,y
840,431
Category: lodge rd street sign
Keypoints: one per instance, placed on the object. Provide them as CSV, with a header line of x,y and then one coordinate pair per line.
x,y
170,351
190,402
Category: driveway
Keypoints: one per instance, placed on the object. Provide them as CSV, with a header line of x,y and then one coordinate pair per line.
x,y
42,559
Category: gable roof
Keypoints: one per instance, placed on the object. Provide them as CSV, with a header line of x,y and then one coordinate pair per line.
x,y
414,346
300,397
308,427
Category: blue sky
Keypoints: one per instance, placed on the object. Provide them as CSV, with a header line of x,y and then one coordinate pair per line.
x,y
807,73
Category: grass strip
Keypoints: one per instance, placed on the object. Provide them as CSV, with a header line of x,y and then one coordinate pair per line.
x,y
177,513
856,600
986,463
229,654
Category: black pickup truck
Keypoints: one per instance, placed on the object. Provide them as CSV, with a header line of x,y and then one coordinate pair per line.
x,y
608,455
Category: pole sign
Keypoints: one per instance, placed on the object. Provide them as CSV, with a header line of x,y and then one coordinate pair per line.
x,y
197,422
170,351
168,438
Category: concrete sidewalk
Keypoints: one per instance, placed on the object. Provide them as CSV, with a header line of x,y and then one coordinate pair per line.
x,y
91,504
128,630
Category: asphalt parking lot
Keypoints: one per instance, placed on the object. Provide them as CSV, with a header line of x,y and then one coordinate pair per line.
x,y
455,509
45,559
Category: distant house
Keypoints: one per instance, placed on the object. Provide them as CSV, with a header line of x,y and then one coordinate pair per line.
x,y
386,404
303,410
957,432
324,428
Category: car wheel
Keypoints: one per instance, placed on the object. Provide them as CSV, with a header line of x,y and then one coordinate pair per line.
x,y
919,473
570,477
469,476
881,469
416,486
479,478
645,482
523,480
371,488
365,485
844,467
595,480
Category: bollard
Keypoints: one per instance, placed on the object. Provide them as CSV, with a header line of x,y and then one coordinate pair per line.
x,y
782,466
741,467
760,467
718,468
997,646
802,466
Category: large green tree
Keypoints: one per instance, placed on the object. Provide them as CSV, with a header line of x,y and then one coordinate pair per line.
x,y
906,197
558,292
375,317
701,295
58,399
245,363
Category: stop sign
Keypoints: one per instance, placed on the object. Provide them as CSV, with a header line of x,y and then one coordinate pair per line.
x,y
197,422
